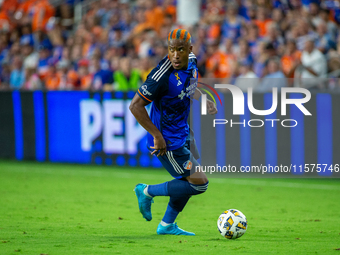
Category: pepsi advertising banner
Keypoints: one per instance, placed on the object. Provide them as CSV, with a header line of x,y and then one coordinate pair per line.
x,y
72,127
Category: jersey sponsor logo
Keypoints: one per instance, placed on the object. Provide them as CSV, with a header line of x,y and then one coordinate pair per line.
x,y
187,165
179,83
145,92
188,91
191,87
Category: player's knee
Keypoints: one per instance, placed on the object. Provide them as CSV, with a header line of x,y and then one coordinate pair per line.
x,y
200,188
198,178
204,180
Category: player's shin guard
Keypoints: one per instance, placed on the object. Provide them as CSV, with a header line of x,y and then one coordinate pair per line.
x,y
158,189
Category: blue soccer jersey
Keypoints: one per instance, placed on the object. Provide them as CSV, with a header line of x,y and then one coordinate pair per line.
x,y
169,90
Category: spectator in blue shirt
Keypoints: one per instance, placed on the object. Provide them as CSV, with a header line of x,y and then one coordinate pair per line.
x,y
324,40
102,79
332,28
275,77
44,57
231,27
17,77
5,74
27,36
244,51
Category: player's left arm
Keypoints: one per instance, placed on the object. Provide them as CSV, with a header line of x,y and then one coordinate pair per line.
x,y
210,104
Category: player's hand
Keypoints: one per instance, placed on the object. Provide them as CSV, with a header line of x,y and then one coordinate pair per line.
x,y
211,107
159,145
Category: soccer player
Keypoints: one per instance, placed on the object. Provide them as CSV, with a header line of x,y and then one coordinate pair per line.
x,y
168,87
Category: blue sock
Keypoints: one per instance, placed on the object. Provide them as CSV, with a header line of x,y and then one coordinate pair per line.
x,y
158,189
175,206
170,215
179,191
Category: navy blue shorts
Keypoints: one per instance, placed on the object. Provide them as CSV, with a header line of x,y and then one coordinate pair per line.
x,y
181,162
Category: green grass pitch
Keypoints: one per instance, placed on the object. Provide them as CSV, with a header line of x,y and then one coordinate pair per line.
x,y
75,209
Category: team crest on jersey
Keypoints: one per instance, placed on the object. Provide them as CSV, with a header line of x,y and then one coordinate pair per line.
x,y
187,165
194,73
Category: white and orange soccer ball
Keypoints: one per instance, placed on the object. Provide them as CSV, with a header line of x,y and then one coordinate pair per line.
x,y
232,224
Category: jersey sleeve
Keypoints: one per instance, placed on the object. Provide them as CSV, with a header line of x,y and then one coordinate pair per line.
x,y
153,89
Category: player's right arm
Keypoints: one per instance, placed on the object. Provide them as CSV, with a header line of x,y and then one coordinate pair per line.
x,y
137,108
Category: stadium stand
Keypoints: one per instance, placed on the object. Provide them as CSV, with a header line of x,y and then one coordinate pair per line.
x,y
111,44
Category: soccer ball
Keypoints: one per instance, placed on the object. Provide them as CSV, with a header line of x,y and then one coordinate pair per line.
x,y
232,224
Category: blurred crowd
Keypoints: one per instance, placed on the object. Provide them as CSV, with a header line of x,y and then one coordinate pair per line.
x,y
116,43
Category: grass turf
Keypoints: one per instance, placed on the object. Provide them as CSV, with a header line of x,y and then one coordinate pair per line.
x,y
73,209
